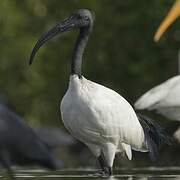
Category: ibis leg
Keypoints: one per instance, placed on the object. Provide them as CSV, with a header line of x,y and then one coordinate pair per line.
x,y
106,170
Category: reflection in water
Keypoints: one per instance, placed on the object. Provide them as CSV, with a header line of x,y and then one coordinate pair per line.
x,y
89,174
128,177
140,177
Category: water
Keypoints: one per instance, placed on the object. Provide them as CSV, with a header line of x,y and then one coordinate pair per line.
x,y
150,173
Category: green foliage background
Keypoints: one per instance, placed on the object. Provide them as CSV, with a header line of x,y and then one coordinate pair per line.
x,y
121,53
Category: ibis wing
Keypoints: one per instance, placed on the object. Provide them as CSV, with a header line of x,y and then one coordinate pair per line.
x,y
115,118
157,95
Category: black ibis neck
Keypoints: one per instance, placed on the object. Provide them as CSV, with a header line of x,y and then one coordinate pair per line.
x,y
79,50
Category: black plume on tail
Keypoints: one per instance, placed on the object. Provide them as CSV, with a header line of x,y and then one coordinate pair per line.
x,y
155,136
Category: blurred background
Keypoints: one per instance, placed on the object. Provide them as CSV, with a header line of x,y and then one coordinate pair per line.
x,y
121,55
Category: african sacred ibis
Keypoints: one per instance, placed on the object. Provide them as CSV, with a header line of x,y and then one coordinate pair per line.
x,y
164,98
97,115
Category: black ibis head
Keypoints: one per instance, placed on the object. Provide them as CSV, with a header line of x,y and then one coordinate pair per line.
x,y
82,18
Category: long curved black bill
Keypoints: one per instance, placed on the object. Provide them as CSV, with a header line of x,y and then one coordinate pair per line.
x,y
60,27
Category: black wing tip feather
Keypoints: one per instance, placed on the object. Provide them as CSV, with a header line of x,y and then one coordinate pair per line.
x,y
155,135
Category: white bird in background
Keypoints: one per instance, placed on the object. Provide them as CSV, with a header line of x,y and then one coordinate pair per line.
x,y
97,115
164,98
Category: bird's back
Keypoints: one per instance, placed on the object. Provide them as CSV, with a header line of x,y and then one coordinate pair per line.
x,y
162,96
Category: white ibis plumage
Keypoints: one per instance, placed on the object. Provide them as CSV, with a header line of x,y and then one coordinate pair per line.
x,y
97,115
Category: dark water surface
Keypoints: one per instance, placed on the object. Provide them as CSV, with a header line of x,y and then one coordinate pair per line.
x,y
150,173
